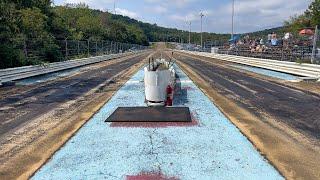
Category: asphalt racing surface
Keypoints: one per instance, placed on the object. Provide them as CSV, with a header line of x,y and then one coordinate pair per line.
x,y
22,107
298,109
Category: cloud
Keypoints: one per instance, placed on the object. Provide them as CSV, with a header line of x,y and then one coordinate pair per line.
x,y
156,9
126,12
250,15
207,12
177,17
254,15
191,16
181,18
174,3
103,4
160,9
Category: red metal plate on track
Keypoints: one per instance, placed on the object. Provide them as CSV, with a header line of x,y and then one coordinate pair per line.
x,y
150,114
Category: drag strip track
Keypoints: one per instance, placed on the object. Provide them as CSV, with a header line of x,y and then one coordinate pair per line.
x,y
295,108
20,108
208,147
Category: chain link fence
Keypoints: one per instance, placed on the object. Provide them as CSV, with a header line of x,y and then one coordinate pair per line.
x,y
72,49
307,51
38,51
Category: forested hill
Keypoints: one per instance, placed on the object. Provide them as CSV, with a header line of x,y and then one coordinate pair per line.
x,y
39,25
156,33
264,33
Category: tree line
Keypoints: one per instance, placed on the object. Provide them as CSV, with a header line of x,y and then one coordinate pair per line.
x,y
38,24
309,19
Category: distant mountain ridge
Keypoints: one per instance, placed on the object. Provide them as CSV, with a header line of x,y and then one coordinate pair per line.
x,y
156,33
262,33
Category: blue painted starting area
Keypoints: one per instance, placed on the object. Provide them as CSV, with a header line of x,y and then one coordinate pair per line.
x,y
211,147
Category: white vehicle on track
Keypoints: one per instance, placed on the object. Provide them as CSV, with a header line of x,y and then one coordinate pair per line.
x,y
159,80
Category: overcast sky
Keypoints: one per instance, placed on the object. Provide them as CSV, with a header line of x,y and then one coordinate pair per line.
x,y
250,15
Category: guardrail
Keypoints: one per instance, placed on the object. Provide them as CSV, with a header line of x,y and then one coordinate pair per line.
x,y
306,70
12,74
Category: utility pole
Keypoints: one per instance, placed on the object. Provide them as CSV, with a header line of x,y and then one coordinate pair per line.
x,y
232,20
201,16
189,32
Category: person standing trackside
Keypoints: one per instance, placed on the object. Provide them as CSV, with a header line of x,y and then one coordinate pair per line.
x,y
269,38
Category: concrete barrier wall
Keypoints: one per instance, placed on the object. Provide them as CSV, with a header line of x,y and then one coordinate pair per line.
x,y
11,74
306,70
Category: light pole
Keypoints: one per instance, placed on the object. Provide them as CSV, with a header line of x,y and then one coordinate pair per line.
x,y
201,16
232,20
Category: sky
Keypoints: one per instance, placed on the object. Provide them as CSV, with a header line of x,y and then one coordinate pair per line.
x,y
250,15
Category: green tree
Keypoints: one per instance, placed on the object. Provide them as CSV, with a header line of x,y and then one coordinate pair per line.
x,y
33,23
310,18
314,13
91,27
296,23
10,53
